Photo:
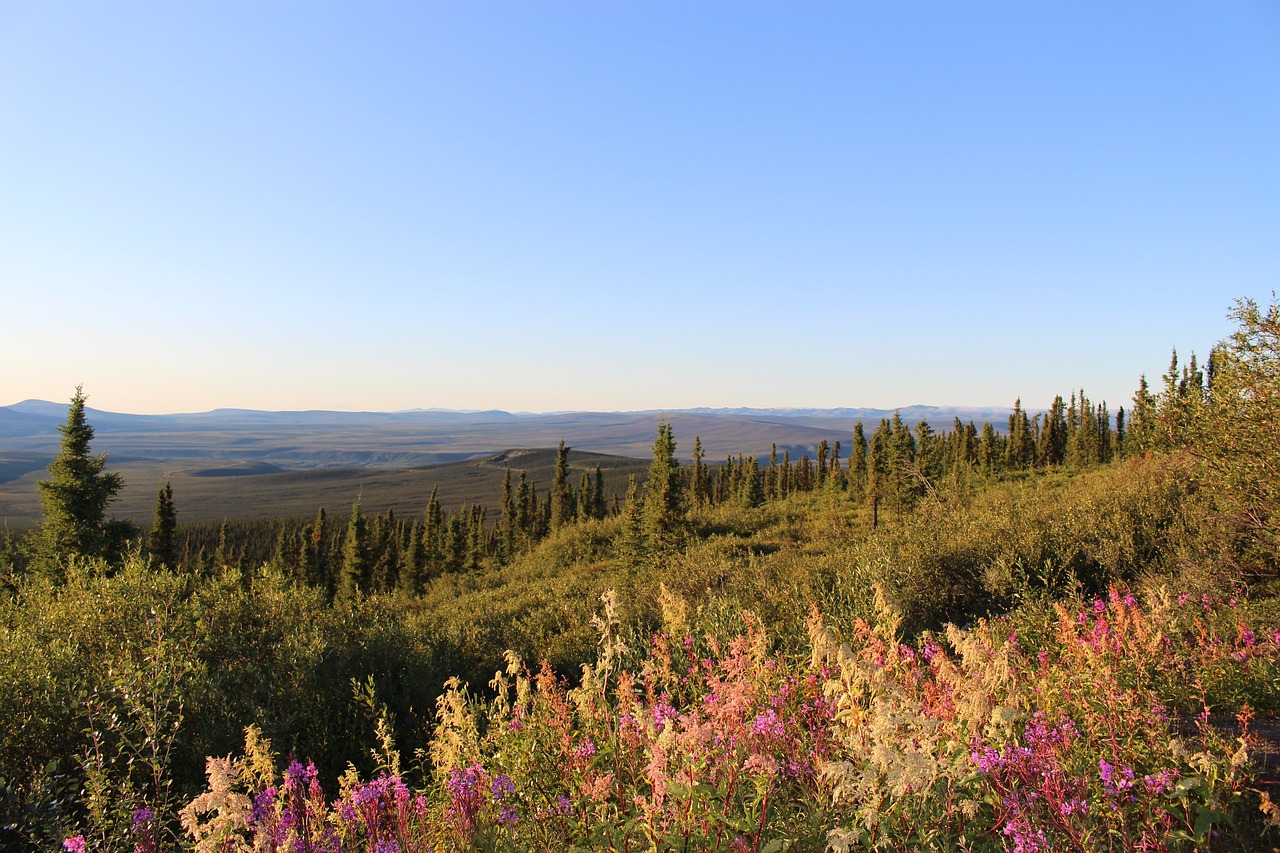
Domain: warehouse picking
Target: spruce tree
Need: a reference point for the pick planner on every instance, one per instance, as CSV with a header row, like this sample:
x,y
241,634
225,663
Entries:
x,y
162,541
858,463
507,523
599,508
698,482
356,563
751,489
74,500
631,542
561,497
664,512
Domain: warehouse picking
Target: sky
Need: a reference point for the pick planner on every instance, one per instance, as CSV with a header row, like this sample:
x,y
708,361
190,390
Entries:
x,y
624,205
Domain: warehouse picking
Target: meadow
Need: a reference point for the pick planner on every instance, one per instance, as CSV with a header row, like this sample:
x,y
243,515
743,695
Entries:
x,y
950,642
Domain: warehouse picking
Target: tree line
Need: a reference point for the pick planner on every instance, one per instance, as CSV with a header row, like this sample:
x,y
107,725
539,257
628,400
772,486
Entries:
x,y
892,468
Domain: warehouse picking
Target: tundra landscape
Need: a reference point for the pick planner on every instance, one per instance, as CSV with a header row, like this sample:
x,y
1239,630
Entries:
x,y
639,427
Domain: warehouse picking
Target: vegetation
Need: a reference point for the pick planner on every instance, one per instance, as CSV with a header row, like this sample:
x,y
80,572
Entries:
x,y
1057,635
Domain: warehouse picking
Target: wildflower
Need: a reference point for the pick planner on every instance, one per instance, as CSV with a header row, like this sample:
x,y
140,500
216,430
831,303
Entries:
x,y
768,725
1161,782
502,786
74,844
988,759
142,817
1071,807
509,816
664,711
586,749
1182,599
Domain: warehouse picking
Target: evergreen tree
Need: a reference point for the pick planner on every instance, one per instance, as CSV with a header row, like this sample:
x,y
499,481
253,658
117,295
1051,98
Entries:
x,y
699,482
356,562
1053,444
508,522
433,524
222,557
319,571
880,483
751,488
771,474
585,497
631,543
1142,428
74,500
561,498
1121,440
599,508
162,541
414,561
858,463
664,512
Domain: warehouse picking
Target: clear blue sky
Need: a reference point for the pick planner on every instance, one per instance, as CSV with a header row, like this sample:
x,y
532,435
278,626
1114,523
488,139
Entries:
x,y
625,205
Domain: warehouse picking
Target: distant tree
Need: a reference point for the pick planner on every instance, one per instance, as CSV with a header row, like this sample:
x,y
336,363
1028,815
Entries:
x,y
699,481
162,541
751,488
989,454
356,561
1142,433
415,560
598,508
630,542
222,553
880,469
858,463
1054,436
508,523
664,512
74,500
585,497
561,497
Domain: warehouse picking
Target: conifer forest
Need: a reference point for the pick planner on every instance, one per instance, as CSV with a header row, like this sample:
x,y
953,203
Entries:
x,y
1055,632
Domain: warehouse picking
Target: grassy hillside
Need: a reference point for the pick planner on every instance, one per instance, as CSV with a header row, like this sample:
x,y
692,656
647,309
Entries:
x,y
1059,639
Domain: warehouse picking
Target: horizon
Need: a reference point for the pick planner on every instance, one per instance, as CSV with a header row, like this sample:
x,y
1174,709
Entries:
x,y
515,412
627,207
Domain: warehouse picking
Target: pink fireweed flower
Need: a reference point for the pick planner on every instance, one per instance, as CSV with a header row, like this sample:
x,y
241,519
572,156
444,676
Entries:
x,y
585,750
664,711
74,844
768,725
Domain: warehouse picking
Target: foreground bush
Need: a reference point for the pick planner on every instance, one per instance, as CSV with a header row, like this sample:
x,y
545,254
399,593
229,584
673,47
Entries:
x,y
973,741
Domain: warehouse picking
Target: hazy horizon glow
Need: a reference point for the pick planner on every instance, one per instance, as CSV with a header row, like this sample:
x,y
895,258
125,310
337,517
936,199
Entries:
x,y
627,206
